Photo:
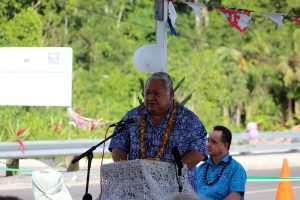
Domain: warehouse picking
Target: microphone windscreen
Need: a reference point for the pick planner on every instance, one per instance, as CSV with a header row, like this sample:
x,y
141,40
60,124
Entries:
x,y
130,120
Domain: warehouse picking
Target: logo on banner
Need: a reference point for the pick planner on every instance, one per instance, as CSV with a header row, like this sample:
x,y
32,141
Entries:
x,y
53,58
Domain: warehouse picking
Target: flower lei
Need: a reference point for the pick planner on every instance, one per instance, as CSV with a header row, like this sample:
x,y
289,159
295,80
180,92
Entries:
x,y
165,137
219,174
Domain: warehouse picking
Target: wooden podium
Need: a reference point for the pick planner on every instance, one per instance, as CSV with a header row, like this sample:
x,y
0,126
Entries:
x,y
142,180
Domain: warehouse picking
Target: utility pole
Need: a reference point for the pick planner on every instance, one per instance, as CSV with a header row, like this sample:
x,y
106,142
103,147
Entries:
x,y
161,17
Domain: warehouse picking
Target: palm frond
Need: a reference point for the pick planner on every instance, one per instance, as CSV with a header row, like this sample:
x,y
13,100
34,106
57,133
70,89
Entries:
x,y
142,85
178,84
186,99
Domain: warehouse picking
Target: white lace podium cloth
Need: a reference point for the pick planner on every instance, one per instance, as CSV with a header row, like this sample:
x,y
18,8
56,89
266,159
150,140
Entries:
x,y
142,180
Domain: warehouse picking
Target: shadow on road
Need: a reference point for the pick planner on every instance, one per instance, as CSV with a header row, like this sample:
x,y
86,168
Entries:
x,y
9,198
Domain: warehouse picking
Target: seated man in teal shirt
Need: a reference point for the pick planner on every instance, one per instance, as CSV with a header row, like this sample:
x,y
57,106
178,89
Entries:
x,y
221,176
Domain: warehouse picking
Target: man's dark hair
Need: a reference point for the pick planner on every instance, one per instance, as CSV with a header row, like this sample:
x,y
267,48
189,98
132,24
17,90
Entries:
x,y
226,134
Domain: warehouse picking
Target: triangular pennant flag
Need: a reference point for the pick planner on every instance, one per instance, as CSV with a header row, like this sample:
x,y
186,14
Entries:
x,y
172,13
238,18
297,19
275,17
196,7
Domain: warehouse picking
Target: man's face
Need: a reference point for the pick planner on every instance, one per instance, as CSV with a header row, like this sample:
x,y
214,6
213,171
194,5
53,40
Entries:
x,y
157,100
215,146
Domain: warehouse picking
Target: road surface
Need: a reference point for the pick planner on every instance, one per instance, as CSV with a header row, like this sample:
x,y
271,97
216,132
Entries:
x,y
254,190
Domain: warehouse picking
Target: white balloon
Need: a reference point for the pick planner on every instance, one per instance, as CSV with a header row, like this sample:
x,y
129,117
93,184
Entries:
x,y
137,60
150,58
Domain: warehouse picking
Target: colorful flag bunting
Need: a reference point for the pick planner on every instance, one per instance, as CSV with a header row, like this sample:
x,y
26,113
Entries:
x,y
238,18
275,17
172,29
172,13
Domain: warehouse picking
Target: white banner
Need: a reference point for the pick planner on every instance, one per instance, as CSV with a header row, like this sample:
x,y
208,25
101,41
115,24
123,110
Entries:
x,y
36,76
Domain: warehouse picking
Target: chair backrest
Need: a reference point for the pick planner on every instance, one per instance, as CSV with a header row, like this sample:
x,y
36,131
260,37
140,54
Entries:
x,y
49,185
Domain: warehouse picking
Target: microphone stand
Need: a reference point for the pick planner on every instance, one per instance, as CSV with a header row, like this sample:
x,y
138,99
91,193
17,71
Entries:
x,y
179,165
180,187
89,154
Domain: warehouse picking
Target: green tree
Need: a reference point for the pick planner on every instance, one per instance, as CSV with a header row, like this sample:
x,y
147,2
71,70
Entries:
x,y
23,30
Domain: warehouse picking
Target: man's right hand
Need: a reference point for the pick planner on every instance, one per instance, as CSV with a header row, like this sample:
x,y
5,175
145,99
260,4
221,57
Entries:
x,y
118,155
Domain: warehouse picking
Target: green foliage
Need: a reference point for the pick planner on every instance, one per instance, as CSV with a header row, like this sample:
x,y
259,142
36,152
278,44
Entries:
x,y
234,77
23,30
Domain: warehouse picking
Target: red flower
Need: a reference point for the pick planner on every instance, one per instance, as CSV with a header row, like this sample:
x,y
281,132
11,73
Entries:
x,y
21,131
297,19
22,144
259,126
58,127
93,126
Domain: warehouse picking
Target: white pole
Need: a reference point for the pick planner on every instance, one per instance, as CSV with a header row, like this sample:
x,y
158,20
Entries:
x,y
161,16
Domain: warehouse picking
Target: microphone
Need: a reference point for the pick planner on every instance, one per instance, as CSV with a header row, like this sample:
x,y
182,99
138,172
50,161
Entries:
x,y
177,157
179,164
127,121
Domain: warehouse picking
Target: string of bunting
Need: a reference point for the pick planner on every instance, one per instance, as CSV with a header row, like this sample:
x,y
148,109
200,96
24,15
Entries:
x,y
236,17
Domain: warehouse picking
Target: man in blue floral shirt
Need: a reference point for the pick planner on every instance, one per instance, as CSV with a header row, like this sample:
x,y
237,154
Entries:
x,y
164,124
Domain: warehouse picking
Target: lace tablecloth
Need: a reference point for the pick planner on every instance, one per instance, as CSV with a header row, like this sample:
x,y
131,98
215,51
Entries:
x,y
141,179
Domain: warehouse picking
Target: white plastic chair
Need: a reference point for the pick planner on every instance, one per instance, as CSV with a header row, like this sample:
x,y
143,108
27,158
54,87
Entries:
x,y
49,185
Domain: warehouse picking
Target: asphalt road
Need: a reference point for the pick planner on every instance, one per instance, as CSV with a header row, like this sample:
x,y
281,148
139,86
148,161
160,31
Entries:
x,y
254,190
267,190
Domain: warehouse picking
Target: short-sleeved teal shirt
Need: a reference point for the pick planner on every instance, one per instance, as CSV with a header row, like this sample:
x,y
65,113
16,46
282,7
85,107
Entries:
x,y
233,179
